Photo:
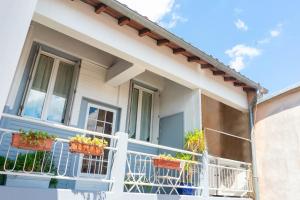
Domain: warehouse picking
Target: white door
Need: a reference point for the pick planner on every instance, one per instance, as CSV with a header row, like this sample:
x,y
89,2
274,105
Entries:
x,y
100,119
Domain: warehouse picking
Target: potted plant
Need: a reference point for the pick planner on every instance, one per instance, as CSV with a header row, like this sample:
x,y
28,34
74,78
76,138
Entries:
x,y
166,162
194,142
87,146
34,163
32,140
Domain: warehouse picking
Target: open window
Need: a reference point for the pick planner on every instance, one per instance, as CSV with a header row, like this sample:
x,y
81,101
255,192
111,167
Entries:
x,y
50,88
141,113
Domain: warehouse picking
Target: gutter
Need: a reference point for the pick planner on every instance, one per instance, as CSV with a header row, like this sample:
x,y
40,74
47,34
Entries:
x,y
179,41
252,106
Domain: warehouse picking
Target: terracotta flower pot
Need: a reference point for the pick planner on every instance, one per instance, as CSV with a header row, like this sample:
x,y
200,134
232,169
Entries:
x,y
18,141
166,164
86,149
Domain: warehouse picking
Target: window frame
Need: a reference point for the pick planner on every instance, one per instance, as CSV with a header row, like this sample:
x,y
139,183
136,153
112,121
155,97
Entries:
x,y
51,84
141,89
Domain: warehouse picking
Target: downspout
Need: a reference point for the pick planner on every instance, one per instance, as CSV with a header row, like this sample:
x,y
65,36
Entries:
x,y
252,106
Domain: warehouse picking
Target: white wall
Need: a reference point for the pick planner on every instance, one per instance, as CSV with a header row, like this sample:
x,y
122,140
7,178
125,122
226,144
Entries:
x,y
91,84
60,42
15,17
176,98
79,20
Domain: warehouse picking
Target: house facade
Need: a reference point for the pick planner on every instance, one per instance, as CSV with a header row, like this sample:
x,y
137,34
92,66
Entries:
x,y
99,69
277,141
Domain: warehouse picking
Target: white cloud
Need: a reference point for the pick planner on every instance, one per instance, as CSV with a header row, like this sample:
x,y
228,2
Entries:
x,y
155,10
175,18
239,53
272,34
239,24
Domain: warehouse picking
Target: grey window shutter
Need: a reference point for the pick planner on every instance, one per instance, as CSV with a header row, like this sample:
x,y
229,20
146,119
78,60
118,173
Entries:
x,y
37,52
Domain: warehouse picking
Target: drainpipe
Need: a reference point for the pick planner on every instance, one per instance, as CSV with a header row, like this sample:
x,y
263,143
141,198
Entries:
x,y
252,104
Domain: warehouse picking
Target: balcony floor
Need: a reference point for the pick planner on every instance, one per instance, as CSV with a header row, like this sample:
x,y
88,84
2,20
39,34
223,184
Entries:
x,y
14,193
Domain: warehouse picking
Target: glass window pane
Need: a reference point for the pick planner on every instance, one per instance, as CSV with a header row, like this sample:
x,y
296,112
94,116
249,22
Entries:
x,y
146,116
108,129
133,112
100,127
37,93
109,117
101,115
93,113
91,125
62,87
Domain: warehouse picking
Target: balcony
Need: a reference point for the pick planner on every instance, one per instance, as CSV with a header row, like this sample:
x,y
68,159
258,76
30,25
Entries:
x,y
127,168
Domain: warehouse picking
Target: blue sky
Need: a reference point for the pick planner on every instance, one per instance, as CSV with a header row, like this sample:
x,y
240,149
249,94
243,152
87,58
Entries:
x,y
258,38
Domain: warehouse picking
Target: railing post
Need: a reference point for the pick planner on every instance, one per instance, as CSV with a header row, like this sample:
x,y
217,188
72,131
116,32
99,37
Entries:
x,y
205,175
119,164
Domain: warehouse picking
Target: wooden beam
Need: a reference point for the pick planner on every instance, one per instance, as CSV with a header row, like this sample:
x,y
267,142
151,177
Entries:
x,y
196,59
218,73
207,66
229,79
178,50
123,21
100,8
144,32
162,42
239,84
193,59
249,89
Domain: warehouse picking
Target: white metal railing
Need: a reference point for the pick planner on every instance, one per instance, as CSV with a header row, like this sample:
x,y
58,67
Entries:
x,y
58,163
229,177
142,176
206,174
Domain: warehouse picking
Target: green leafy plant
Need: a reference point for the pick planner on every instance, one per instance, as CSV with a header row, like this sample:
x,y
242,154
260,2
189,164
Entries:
x,y
35,162
88,140
195,142
33,137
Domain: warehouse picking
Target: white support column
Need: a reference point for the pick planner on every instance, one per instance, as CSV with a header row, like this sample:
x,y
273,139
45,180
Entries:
x,y
119,165
15,18
205,162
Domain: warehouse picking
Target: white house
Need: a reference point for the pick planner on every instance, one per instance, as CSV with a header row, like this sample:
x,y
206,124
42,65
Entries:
x,y
99,69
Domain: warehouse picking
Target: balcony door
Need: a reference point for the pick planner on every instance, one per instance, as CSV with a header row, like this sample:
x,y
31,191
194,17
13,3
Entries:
x,y
99,119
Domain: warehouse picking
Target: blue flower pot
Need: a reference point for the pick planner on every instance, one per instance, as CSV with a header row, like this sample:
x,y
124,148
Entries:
x,y
185,191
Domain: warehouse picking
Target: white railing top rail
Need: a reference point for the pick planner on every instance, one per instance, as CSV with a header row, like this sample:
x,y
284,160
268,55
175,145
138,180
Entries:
x,y
229,160
148,144
227,134
153,155
59,126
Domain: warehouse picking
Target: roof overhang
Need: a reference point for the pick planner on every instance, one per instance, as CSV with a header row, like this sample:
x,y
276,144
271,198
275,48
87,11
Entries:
x,y
145,27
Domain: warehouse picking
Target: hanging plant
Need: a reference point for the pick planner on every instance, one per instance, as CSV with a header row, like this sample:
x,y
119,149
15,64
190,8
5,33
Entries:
x,y
166,162
87,146
32,140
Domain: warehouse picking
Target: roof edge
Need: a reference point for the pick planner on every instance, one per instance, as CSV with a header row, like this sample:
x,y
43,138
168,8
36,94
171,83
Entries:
x,y
122,8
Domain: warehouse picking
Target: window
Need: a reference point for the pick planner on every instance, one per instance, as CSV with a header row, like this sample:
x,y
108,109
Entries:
x,y
140,118
99,119
49,88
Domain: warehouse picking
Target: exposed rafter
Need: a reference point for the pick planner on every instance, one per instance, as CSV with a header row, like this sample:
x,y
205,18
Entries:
x,y
196,59
218,73
144,32
239,84
162,42
229,79
123,21
100,8
178,50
